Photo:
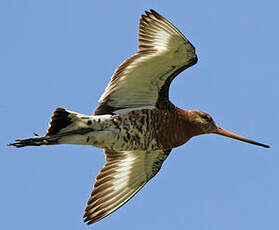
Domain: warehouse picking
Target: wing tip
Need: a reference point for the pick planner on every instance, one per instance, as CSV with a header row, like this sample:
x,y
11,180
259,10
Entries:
x,y
91,219
156,14
150,13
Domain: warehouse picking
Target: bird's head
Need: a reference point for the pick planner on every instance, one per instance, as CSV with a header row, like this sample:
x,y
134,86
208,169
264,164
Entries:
x,y
204,123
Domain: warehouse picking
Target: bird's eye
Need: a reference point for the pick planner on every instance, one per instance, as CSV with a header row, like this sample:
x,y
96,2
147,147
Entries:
x,y
205,117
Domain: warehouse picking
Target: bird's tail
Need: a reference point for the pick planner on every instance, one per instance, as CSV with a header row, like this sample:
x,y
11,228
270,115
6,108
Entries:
x,y
63,124
60,120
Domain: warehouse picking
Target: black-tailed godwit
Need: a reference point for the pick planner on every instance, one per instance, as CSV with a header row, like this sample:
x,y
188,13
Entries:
x,y
135,123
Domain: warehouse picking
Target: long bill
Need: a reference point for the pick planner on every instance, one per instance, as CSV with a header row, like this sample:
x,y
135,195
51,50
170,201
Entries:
x,y
227,133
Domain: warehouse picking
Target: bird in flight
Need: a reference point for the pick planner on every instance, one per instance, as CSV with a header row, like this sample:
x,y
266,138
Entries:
x,y
135,123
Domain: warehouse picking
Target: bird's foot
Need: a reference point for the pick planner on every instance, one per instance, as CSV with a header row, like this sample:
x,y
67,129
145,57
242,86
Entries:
x,y
48,140
34,141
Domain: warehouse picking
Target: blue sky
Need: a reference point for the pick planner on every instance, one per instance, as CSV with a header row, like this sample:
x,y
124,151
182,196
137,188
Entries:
x,y
62,54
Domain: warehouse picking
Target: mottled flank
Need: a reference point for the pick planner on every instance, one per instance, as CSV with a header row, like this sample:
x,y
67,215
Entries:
x,y
59,120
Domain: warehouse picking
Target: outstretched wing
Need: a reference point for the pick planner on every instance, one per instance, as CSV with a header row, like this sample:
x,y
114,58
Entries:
x,y
124,174
143,80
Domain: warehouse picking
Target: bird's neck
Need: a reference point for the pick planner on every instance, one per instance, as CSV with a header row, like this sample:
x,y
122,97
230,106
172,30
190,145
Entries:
x,y
178,128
